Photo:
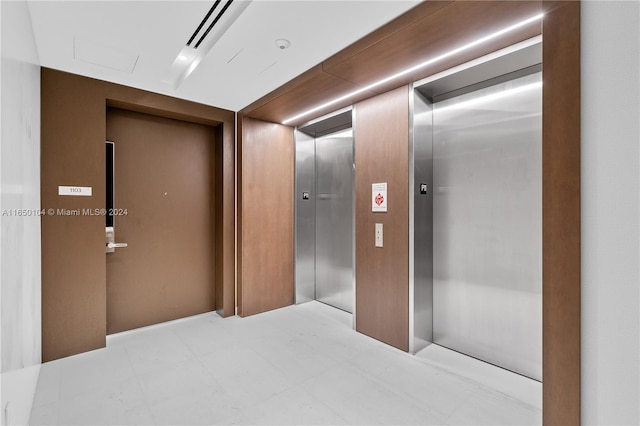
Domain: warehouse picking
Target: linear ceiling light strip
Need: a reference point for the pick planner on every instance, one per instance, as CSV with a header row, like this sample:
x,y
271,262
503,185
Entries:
x,y
224,9
195,33
418,66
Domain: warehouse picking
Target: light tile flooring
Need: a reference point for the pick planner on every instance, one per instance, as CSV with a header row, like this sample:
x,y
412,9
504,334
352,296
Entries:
x,y
297,365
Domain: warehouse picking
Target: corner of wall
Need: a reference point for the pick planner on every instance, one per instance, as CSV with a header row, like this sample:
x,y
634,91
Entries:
x,y
20,265
20,197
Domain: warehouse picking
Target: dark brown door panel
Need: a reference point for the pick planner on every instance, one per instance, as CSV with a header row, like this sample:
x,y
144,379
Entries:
x,y
164,188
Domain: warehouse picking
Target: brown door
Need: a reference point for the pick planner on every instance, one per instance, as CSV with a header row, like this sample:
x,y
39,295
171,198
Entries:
x,y
164,200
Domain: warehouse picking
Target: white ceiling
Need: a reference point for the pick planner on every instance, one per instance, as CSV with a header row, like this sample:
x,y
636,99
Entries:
x,y
154,32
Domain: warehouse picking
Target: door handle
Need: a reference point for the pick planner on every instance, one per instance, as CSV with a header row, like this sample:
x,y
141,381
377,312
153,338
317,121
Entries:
x,y
116,245
111,245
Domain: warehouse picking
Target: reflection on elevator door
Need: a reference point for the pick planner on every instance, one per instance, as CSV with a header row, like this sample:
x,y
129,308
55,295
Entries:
x,y
324,205
487,224
334,220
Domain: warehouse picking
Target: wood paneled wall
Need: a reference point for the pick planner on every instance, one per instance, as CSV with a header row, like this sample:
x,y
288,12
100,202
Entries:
x,y
74,271
265,216
381,127
561,213
424,32
73,131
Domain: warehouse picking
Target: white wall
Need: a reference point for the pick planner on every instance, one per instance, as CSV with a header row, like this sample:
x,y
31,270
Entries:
x,y
20,286
610,212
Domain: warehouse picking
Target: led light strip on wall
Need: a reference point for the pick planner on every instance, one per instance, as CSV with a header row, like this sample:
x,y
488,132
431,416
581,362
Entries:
x,y
419,66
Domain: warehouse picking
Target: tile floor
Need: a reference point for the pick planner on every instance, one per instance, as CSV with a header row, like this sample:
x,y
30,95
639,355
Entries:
x,y
297,365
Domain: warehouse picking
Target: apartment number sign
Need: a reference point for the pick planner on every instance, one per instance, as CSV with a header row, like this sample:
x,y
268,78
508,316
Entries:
x,y
78,191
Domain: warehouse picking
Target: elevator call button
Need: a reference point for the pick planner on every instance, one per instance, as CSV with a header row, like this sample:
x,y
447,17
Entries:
x,y
305,195
423,188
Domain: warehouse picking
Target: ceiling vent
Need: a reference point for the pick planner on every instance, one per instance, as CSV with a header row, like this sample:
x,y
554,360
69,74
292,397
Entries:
x,y
215,23
215,20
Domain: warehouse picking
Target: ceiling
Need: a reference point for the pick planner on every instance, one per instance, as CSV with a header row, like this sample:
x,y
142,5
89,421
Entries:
x,y
136,42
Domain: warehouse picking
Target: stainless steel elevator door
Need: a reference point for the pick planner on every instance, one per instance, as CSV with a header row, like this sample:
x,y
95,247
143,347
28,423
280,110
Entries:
x,y
487,224
334,220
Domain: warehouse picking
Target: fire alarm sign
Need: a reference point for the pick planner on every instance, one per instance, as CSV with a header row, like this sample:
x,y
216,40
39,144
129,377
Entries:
x,y
379,197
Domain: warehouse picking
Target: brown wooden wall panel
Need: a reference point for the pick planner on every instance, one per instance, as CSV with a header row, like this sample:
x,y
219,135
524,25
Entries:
x,y
303,79
561,214
422,33
228,220
381,127
239,248
73,257
217,180
397,25
432,36
72,153
265,210
317,90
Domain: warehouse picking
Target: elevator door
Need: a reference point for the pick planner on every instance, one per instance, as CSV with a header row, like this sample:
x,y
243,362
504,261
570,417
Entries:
x,y
334,273
487,224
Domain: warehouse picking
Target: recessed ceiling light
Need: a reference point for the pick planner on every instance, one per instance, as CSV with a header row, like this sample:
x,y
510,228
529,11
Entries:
x,y
418,66
282,43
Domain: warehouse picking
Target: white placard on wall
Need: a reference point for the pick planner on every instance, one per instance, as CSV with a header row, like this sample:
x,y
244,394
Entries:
x,y
78,191
379,197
